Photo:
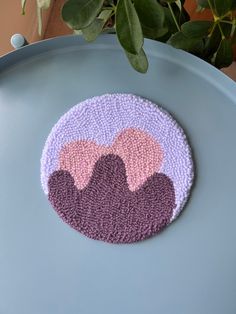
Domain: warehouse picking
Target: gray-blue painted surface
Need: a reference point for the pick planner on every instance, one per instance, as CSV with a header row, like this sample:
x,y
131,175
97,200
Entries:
x,y
47,267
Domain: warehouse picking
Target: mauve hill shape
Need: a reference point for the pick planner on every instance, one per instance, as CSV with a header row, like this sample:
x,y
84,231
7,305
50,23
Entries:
x,y
106,209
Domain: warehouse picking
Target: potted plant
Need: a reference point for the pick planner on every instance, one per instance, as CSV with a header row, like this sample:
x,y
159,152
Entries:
x,y
211,39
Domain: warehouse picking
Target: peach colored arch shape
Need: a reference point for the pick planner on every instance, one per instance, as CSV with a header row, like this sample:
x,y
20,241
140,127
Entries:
x,y
140,152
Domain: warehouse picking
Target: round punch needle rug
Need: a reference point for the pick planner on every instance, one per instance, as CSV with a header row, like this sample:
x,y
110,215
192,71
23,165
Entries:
x,y
117,168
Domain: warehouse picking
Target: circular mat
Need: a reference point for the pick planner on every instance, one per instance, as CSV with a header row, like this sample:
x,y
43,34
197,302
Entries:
x,y
117,168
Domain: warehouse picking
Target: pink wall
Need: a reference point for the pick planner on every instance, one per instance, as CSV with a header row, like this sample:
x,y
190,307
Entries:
x,y
56,26
13,22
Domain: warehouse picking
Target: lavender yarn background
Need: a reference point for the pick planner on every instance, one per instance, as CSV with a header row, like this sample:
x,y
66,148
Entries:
x,y
101,118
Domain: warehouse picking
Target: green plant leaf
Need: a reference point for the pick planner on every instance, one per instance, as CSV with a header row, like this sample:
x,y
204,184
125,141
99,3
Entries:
x,y
152,17
154,33
224,54
128,27
179,4
222,6
23,4
234,38
78,32
233,5
180,41
108,2
198,49
169,22
138,61
226,28
196,29
181,16
169,1
150,12
199,9
43,4
105,15
212,43
91,32
78,14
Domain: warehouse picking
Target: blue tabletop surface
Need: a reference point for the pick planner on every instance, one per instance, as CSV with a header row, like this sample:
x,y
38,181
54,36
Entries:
x,y
48,268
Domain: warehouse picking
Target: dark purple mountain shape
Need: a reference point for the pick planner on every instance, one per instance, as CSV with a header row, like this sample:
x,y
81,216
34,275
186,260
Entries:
x,y
106,209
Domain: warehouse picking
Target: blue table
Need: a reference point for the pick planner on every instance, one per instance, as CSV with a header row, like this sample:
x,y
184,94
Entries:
x,y
47,267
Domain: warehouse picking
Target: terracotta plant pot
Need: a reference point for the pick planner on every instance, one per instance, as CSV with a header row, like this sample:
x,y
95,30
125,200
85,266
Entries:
x,y
191,6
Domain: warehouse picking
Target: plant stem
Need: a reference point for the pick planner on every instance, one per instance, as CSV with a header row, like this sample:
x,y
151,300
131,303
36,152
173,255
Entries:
x,y
227,14
174,18
211,7
217,20
212,31
233,30
221,31
227,22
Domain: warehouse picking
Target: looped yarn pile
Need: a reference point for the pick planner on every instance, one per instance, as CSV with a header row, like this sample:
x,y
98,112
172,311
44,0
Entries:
x,y
117,168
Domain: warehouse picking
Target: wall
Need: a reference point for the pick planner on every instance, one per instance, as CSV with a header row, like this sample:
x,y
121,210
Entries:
x,y
12,21
56,26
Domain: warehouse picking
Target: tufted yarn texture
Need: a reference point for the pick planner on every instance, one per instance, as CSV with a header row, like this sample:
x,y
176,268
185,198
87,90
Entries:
x,y
106,209
142,158
117,168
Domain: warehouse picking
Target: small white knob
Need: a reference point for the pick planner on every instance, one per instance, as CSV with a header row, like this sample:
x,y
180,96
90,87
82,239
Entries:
x,y
18,41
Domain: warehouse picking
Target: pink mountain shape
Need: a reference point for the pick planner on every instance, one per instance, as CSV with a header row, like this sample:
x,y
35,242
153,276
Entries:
x,y
140,152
